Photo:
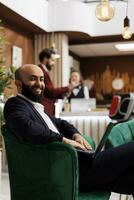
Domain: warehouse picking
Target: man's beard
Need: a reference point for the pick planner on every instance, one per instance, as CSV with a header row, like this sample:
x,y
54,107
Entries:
x,y
49,67
28,92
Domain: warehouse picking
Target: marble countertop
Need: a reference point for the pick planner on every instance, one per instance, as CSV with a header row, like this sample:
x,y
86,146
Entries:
x,y
95,112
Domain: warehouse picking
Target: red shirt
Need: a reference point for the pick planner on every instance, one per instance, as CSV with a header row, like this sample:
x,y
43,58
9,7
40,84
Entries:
x,y
51,93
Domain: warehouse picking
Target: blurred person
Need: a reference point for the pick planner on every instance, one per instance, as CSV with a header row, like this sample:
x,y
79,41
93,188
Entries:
x,y
51,94
91,87
79,90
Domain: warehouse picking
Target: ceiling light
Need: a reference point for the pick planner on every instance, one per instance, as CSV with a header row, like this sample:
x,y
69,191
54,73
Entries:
x,y
127,34
125,47
104,11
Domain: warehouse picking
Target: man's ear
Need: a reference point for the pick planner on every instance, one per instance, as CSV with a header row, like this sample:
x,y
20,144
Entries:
x,y
18,83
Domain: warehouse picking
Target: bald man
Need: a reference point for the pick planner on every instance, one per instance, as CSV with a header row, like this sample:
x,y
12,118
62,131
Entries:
x,y
29,80
111,170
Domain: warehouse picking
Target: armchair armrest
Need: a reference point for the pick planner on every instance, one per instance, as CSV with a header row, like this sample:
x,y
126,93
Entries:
x,y
35,170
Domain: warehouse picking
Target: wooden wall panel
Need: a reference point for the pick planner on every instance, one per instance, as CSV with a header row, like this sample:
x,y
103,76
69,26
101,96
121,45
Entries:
x,y
103,70
23,40
98,64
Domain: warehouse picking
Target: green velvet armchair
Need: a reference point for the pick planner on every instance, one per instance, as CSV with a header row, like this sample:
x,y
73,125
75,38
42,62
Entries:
x,y
120,134
45,172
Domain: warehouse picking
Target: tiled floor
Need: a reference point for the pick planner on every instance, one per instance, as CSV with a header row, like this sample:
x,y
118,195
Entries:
x,y
4,187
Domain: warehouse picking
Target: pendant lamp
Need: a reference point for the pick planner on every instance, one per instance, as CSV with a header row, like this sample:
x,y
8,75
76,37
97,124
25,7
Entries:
x,y
127,34
104,11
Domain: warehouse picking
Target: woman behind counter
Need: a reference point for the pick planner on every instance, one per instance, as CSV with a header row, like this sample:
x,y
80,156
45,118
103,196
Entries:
x,y
79,90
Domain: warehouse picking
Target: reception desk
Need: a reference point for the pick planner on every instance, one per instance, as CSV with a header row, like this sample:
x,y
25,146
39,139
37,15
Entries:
x,y
91,123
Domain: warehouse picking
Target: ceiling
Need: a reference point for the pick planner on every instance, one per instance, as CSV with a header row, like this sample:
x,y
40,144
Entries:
x,y
80,44
83,45
98,49
87,1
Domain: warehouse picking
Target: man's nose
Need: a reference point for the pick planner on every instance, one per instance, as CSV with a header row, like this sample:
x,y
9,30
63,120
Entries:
x,y
38,82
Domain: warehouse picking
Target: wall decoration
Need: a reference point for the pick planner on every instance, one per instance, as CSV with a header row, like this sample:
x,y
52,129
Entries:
x,y
118,84
16,56
110,82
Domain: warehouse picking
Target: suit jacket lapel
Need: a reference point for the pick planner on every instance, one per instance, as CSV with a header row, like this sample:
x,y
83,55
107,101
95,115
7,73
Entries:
x,y
34,110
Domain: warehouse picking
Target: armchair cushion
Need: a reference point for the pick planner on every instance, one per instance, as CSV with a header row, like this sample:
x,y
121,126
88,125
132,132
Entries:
x,y
100,195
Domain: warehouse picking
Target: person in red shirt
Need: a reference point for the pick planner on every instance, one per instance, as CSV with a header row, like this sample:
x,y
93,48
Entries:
x,y
47,61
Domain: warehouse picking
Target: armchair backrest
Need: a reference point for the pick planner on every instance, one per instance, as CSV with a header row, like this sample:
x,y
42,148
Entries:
x,y
120,134
37,171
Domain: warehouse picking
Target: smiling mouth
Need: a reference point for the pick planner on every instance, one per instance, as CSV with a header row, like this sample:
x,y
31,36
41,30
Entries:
x,y
37,90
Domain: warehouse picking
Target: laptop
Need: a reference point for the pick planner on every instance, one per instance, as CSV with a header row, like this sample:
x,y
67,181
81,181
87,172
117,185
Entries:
x,y
94,153
82,105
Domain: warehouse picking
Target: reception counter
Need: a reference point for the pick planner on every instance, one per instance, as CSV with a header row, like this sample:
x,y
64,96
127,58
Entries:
x,y
92,123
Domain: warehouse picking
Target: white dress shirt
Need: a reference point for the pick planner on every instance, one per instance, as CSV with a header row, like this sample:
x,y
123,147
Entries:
x,y
44,67
40,109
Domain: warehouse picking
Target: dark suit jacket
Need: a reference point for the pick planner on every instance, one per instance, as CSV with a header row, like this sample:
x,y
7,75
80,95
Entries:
x,y
26,124
23,121
51,93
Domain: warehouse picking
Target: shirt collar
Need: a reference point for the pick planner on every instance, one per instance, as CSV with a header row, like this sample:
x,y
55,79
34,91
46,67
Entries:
x,y
44,67
34,103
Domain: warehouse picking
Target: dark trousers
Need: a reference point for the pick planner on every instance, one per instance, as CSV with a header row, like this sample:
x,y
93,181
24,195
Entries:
x,y
111,170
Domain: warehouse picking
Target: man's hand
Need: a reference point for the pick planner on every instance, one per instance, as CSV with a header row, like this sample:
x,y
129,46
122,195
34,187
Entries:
x,y
73,143
78,138
78,141
71,87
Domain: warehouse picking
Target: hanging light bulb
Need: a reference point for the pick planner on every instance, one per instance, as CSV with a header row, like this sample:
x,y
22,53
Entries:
x,y
127,34
104,11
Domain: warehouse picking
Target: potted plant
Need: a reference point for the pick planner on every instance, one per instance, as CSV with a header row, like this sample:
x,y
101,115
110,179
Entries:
x,y
6,74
